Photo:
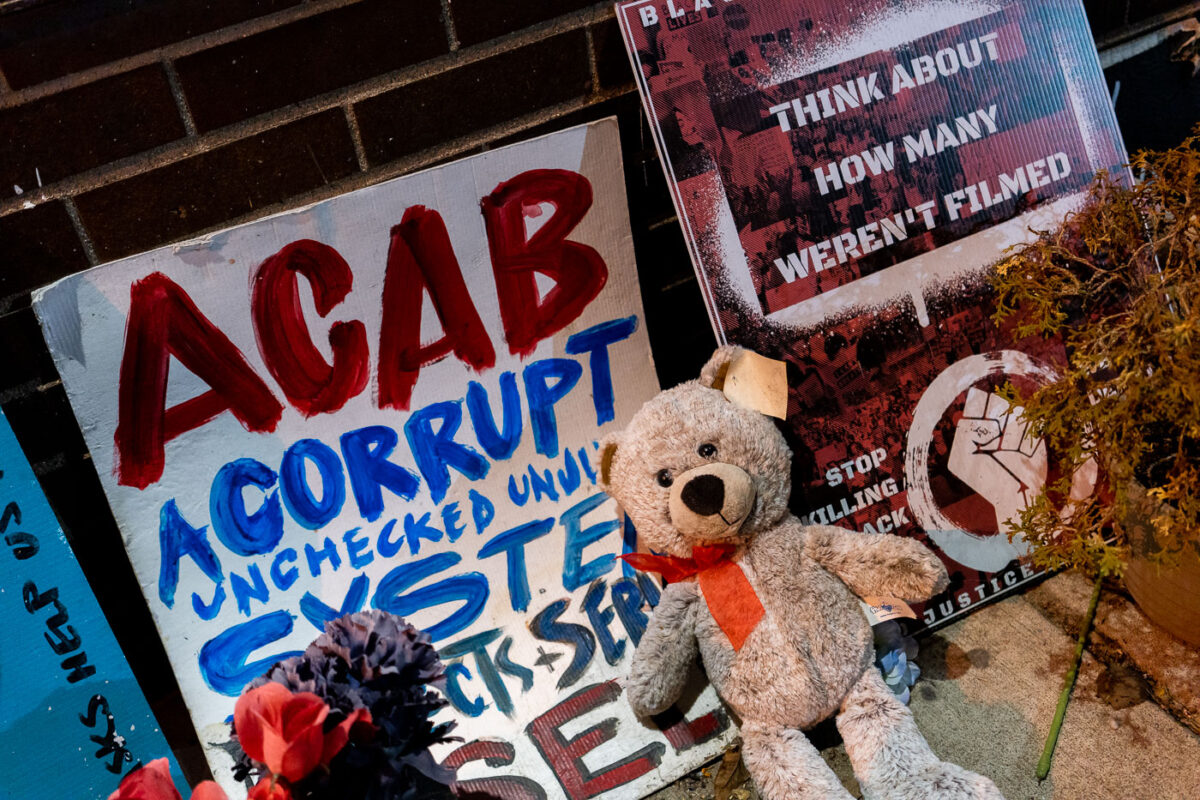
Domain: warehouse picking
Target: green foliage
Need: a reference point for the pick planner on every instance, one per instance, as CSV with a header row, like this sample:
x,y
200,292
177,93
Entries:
x,y
1118,281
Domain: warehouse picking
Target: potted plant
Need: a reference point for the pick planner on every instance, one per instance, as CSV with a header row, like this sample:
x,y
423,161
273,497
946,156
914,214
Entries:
x,y
1119,281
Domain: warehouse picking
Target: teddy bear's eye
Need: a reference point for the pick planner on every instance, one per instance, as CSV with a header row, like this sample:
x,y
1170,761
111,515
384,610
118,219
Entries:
x,y
664,478
707,450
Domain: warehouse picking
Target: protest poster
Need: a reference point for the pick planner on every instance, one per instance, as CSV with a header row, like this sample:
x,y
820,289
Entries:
x,y
73,720
846,172
392,399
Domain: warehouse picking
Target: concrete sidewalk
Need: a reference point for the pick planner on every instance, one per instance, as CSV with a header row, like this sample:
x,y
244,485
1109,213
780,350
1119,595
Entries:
x,y
986,695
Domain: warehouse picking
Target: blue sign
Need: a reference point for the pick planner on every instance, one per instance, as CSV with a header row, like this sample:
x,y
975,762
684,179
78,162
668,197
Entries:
x,y
73,721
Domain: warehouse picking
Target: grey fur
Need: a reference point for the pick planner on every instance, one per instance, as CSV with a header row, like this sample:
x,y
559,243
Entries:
x,y
890,757
669,644
810,656
785,764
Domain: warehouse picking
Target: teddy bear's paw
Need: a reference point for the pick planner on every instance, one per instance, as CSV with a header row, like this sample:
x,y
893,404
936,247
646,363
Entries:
x,y
649,693
940,781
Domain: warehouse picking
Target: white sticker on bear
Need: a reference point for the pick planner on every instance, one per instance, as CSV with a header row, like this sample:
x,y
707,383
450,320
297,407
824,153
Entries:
x,y
758,383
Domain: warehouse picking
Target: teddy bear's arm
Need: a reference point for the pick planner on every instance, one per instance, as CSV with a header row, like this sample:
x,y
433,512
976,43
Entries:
x,y
666,652
877,564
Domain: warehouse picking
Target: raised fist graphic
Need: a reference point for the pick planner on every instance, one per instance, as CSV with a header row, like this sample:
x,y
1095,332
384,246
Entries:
x,y
993,454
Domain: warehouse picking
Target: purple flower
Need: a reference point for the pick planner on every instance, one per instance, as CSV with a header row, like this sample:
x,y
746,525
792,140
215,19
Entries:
x,y
375,643
375,661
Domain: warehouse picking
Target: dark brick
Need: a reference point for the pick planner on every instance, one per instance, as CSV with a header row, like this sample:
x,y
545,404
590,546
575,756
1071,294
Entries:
x,y
612,60
26,359
665,248
307,58
467,99
681,335
1159,101
45,425
168,203
1145,9
94,124
626,108
479,20
77,497
55,39
37,246
645,186
649,194
1106,16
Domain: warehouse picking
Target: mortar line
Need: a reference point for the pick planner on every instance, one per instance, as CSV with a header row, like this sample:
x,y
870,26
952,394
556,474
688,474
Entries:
x,y
185,111
47,465
174,50
23,389
591,56
178,150
448,24
208,41
425,159
414,162
1145,26
675,284
89,249
360,151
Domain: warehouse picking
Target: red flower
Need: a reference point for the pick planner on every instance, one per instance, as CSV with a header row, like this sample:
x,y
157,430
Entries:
x,y
281,729
209,791
284,730
151,782
269,788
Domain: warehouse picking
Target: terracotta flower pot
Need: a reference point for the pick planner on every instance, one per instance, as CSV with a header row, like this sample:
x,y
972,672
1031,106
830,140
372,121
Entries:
x,y
1168,595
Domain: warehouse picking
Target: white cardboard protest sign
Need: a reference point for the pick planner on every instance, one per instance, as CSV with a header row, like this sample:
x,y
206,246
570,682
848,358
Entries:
x,y
392,399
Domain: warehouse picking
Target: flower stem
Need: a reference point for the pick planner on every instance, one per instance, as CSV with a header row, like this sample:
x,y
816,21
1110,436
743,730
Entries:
x,y
1043,767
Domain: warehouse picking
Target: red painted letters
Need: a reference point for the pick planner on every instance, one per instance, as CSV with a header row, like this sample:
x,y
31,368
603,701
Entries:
x,y
164,322
578,271
311,385
422,259
684,733
494,787
565,756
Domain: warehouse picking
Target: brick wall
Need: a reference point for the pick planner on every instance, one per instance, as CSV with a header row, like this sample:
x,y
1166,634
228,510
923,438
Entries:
x,y
127,125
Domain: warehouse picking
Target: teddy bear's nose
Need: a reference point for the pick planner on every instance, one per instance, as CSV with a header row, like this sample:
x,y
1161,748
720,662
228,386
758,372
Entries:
x,y
704,494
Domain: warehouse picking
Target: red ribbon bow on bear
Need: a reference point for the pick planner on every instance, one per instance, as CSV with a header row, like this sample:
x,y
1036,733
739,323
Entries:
x,y
730,596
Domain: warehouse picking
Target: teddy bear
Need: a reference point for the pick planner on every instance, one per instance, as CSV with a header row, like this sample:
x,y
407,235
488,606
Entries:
x,y
770,604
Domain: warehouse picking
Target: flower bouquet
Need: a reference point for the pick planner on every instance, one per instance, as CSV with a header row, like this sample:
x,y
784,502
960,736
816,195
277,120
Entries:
x,y
347,719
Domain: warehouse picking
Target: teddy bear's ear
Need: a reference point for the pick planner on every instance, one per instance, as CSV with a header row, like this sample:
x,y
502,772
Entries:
x,y
608,449
713,373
